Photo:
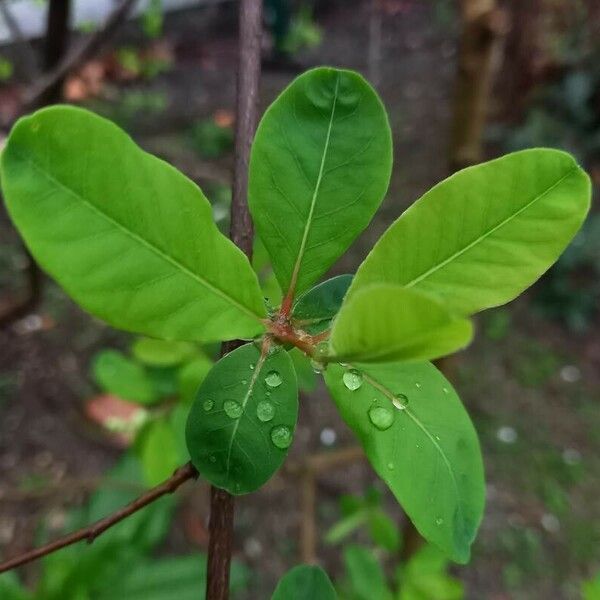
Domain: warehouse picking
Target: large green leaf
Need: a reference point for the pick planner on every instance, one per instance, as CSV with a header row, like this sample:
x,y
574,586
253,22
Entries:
x,y
420,441
305,582
482,236
123,377
320,166
315,309
128,236
388,322
242,422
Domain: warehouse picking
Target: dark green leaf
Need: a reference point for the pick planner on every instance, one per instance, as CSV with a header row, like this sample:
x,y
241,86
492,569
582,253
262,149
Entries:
x,y
305,582
420,441
315,309
242,422
128,236
320,166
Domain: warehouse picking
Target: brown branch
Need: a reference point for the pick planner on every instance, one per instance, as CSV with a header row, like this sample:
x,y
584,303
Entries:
x,y
241,233
87,50
90,533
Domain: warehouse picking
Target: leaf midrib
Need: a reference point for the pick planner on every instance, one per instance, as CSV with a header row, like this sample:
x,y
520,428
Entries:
x,y
307,226
390,395
491,231
134,236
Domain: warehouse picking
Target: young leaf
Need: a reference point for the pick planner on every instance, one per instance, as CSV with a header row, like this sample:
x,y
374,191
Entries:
x,y
482,236
320,166
305,582
365,575
158,451
128,236
118,375
420,441
390,323
315,309
241,425
161,353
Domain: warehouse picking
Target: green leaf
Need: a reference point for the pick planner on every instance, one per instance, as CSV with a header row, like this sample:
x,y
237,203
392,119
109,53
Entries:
x,y
191,375
365,575
128,236
307,378
305,582
161,353
11,588
315,309
388,322
158,451
420,441
242,422
346,526
482,236
319,169
118,375
384,531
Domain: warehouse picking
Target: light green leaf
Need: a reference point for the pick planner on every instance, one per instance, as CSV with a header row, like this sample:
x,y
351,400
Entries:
x,y
346,526
482,236
305,582
191,375
307,378
320,166
128,236
388,322
315,309
420,441
384,531
242,422
365,575
118,375
158,451
161,353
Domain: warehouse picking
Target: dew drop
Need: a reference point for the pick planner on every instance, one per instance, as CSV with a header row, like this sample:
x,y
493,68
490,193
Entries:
x,y
446,390
251,367
317,367
281,436
233,409
381,417
439,521
400,401
265,411
244,382
418,385
352,379
208,405
390,466
212,458
273,379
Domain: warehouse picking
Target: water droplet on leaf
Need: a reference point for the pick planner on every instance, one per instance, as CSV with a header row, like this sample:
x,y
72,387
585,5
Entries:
x,y
212,458
381,417
418,385
208,405
273,379
439,521
390,466
233,409
281,436
265,411
352,379
400,401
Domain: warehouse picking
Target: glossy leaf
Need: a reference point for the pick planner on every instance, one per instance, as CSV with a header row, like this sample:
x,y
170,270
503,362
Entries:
x,y
388,322
305,582
242,422
123,377
307,378
315,309
482,236
158,451
319,169
128,236
420,441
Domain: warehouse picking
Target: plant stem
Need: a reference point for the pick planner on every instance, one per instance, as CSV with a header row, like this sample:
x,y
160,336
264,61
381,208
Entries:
x,y
241,233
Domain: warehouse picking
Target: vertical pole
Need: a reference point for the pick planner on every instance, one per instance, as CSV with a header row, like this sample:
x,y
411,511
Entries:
x,y
241,232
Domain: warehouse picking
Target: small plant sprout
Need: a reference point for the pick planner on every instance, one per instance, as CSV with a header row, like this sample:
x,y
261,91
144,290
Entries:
x,y
133,241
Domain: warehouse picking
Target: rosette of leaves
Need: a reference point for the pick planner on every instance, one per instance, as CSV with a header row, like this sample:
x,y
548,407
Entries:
x,y
133,241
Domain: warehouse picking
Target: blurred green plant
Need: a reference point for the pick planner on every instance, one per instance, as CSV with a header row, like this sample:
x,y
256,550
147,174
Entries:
x,y
211,140
423,577
6,69
121,563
